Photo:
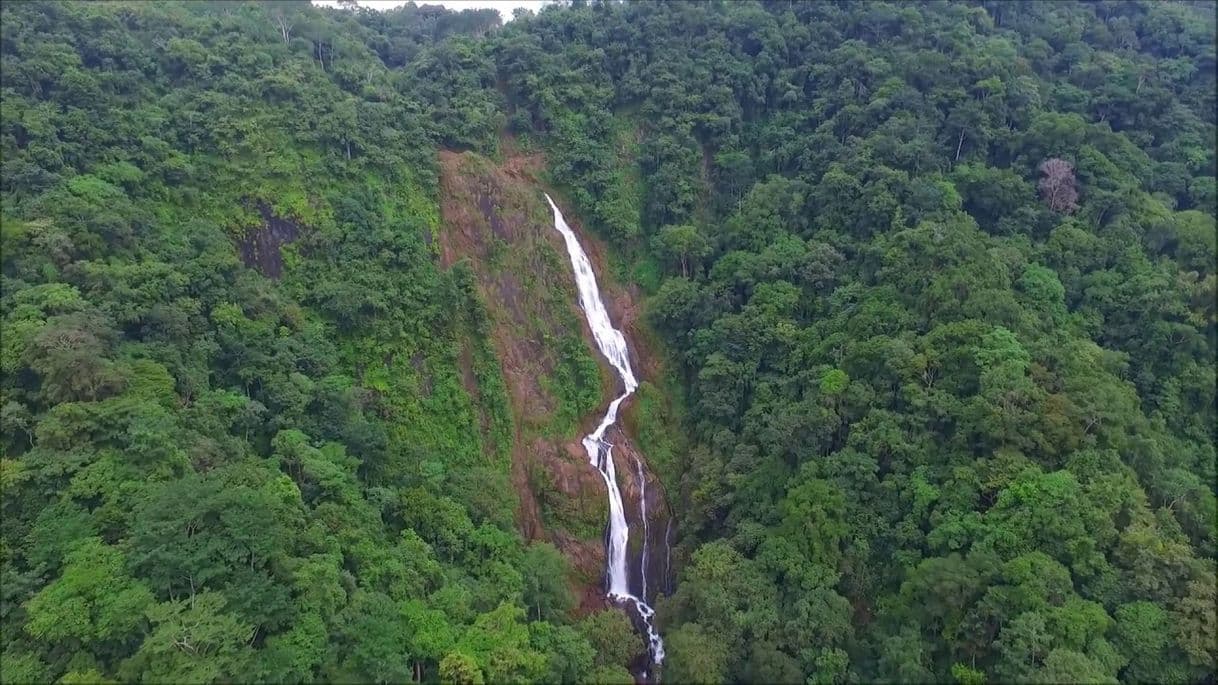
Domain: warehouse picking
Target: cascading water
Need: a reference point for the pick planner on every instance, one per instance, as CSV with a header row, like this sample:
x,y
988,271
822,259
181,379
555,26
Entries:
x,y
612,344
638,469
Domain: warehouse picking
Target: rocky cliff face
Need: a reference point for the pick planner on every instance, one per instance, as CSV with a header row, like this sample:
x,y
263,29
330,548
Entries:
x,y
259,246
496,223
636,484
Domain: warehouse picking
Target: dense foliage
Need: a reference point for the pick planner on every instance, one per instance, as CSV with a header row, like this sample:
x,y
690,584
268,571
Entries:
x,y
938,280
941,284
270,470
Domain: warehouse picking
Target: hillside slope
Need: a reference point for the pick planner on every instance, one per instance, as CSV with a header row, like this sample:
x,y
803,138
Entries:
x,y
495,223
939,281
925,290
252,429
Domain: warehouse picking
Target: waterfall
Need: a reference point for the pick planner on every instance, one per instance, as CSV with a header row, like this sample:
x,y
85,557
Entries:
x,y
612,344
638,470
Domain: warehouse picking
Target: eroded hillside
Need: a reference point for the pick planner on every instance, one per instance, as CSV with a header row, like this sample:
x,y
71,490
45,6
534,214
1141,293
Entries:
x,y
495,224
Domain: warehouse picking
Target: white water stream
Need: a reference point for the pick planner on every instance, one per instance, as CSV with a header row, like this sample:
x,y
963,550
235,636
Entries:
x,y
638,470
612,344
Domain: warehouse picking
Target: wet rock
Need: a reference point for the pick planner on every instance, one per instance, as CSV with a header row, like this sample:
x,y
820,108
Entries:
x,y
260,246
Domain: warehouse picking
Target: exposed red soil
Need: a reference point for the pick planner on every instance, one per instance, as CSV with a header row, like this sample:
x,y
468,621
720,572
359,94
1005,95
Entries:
x,y
621,300
484,203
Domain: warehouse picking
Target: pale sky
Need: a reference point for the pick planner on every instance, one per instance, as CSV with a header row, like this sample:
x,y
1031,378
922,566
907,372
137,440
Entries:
x,y
505,7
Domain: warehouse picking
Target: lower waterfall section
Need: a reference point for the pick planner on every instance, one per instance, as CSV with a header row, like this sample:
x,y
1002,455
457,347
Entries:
x,y
612,344
638,467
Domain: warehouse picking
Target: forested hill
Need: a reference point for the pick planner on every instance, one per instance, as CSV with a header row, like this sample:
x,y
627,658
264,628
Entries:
x,y
936,281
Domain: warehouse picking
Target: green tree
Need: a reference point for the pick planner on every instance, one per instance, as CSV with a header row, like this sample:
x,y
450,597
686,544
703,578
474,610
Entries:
x,y
613,639
192,641
460,669
546,592
94,600
694,656
682,244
